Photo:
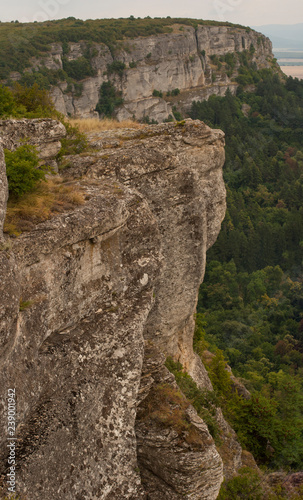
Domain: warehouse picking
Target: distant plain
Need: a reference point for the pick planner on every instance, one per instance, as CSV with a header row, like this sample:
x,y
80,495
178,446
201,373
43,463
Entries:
x,y
294,71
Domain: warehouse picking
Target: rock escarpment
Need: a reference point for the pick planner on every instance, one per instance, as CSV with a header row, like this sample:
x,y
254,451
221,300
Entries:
x,y
44,134
180,60
93,301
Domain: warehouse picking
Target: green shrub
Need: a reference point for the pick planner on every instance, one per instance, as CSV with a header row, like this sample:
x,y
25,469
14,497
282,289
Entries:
x,y
73,143
109,99
78,89
246,485
8,105
157,93
178,116
146,119
78,69
116,67
204,402
22,170
35,100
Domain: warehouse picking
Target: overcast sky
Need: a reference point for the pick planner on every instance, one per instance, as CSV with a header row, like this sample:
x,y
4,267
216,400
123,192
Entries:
x,y
246,12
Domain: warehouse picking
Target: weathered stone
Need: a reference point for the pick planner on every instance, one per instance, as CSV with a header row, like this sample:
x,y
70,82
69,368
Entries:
x,y
153,108
76,352
176,466
98,287
174,462
45,134
164,62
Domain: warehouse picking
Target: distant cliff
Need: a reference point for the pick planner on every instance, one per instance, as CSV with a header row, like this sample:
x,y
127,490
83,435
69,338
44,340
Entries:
x,y
180,60
154,75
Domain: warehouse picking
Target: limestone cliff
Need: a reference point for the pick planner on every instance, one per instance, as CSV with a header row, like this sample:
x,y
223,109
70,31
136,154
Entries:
x,y
110,290
181,59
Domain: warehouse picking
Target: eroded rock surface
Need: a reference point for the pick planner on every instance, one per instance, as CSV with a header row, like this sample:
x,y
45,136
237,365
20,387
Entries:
x,y
45,134
86,294
164,62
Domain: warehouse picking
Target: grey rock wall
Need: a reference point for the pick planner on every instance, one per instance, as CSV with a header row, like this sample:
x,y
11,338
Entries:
x,y
45,134
163,62
110,290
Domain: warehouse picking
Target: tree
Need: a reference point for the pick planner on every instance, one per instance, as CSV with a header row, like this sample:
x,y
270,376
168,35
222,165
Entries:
x,y
109,99
22,170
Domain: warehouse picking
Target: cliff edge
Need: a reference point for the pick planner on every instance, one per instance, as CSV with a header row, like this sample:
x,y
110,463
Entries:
x,y
111,290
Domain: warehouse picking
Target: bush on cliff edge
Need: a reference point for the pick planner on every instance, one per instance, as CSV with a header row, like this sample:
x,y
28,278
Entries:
x,y
22,170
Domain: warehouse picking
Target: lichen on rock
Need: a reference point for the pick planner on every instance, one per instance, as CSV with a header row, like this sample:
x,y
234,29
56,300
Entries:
x,y
111,289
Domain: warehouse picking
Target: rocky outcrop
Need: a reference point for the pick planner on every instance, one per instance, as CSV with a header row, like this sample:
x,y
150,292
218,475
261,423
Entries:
x,y
171,439
45,134
94,299
181,59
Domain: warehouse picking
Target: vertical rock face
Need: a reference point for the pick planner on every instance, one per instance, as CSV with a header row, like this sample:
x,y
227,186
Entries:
x,y
93,302
45,134
178,60
178,169
74,354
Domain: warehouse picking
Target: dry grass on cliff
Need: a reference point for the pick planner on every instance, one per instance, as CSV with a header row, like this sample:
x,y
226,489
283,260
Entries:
x,y
95,125
49,199
166,406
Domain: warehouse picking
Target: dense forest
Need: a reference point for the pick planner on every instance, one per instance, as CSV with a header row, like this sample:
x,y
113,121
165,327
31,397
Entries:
x,y
250,310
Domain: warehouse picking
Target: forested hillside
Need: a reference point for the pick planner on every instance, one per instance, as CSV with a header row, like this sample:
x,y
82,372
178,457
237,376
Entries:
x,y
251,302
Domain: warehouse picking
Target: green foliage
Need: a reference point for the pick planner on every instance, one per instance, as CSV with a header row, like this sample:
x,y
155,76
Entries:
x,y
175,92
157,93
270,423
109,99
23,101
252,295
116,67
25,304
246,484
219,376
133,64
43,77
263,170
146,119
78,69
73,143
178,116
205,402
22,170
78,89
169,119
8,105
36,101
200,343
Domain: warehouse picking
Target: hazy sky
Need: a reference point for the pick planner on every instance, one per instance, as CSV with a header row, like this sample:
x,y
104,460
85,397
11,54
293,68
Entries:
x,y
247,12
